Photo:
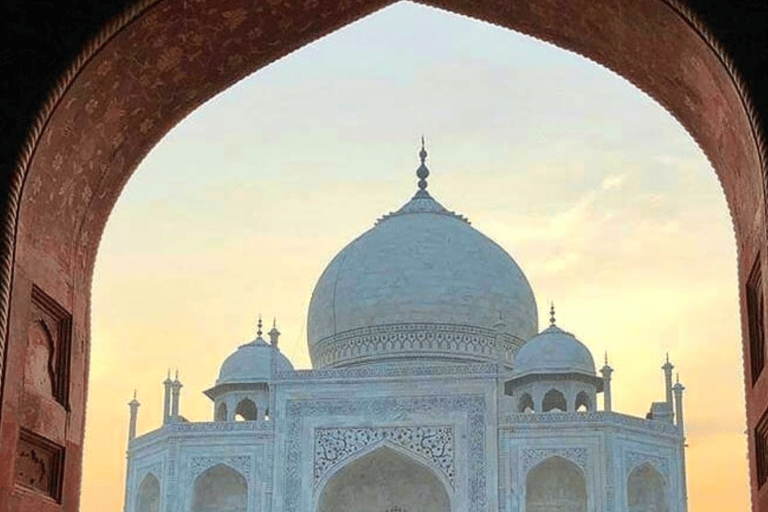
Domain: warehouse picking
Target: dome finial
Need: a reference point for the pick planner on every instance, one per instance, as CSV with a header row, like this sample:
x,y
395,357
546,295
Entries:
x,y
258,333
552,313
422,172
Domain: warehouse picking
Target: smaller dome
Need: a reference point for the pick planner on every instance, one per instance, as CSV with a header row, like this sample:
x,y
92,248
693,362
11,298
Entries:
x,y
252,362
553,351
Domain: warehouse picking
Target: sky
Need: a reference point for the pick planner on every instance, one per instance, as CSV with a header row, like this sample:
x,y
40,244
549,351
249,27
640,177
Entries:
x,y
603,199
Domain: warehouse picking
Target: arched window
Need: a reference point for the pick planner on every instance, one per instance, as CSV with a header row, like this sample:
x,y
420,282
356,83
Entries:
x,y
246,410
384,480
221,412
583,403
148,495
525,404
554,400
645,490
220,489
555,484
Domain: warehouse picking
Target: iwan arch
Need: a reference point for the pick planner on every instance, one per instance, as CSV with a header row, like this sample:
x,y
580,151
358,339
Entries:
x,y
122,96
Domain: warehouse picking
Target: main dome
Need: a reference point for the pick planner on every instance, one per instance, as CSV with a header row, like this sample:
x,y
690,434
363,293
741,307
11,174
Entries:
x,y
421,285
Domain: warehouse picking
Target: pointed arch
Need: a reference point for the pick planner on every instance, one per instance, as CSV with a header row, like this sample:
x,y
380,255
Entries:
x,y
646,490
220,488
384,479
555,484
525,404
246,409
148,494
583,402
554,400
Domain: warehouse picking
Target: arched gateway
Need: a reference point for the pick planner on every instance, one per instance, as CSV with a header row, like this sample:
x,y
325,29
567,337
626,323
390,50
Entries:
x,y
382,481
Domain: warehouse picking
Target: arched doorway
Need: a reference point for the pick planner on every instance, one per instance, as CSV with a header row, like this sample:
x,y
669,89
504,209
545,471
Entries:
x,y
384,480
555,484
115,104
646,490
220,489
148,495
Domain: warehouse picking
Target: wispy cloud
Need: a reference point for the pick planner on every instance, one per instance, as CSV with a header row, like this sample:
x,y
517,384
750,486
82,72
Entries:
x,y
613,181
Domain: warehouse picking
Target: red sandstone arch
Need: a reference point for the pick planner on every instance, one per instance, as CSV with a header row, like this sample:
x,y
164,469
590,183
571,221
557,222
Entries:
x,y
163,58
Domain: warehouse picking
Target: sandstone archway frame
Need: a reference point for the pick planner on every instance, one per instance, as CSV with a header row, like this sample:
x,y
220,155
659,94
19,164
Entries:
x,y
162,58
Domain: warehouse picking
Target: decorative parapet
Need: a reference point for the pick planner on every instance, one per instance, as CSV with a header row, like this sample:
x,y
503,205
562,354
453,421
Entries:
x,y
393,371
194,429
600,418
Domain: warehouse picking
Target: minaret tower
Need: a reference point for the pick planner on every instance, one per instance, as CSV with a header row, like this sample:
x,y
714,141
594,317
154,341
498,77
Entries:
x,y
134,406
175,402
274,334
678,390
668,367
168,383
606,371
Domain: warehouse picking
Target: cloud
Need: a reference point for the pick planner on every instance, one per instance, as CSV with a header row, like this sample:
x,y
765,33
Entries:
x,y
613,181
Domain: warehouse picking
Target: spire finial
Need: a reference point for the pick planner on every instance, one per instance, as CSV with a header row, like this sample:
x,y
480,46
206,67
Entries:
x,y
258,333
422,172
677,378
274,322
177,374
606,358
134,394
552,313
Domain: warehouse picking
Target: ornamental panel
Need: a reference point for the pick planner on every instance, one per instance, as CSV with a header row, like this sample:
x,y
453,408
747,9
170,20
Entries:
x,y
335,445
532,456
473,406
199,465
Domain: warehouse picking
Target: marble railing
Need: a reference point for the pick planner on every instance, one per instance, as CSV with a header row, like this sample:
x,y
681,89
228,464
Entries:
x,y
202,427
523,420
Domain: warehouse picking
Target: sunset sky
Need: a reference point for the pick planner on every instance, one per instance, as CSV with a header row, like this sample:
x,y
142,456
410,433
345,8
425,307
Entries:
x,y
603,199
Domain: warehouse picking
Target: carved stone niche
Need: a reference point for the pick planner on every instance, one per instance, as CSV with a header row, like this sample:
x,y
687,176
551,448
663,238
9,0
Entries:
x,y
49,343
39,465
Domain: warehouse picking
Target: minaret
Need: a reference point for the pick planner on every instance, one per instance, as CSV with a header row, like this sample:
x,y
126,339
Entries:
x,y
678,389
175,402
606,371
134,405
668,367
167,398
274,334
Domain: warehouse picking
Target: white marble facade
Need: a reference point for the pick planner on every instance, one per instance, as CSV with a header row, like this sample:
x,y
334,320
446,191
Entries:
x,y
431,392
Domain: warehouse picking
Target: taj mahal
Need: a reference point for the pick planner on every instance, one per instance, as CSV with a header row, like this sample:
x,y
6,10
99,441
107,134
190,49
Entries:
x,y
432,390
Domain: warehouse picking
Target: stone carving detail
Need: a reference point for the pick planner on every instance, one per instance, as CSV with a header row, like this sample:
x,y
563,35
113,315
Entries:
x,y
241,464
39,464
533,456
49,340
635,459
394,370
222,426
522,420
471,405
334,445
401,339
156,469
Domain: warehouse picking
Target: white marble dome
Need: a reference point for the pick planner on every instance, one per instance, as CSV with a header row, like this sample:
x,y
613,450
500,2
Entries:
x,y
554,351
251,363
421,284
